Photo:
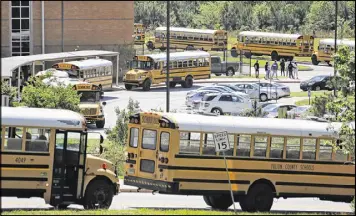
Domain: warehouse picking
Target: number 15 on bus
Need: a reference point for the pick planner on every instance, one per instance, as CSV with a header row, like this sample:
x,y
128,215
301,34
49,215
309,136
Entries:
x,y
221,141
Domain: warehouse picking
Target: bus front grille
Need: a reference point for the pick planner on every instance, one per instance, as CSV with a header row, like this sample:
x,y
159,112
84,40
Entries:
x,y
130,76
89,111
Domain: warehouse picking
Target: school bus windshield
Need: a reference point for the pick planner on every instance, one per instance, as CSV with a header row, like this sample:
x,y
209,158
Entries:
x,y
89,96
141,65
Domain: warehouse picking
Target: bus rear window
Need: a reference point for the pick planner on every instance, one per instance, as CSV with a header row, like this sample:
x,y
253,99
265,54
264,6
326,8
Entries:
x,y
149,139
134,137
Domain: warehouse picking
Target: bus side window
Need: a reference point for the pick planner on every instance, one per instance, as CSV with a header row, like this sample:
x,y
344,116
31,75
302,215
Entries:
x,y
293,148
180,64
325,151
13,139
189,143
208,145
243,145
134,137
175,64
206,62
231,138
260,146
185,64
309,149
190,63
277,146
339,153
37,139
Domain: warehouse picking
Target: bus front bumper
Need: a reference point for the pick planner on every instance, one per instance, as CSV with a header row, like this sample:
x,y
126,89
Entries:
x,y
94,118
134,83
151,184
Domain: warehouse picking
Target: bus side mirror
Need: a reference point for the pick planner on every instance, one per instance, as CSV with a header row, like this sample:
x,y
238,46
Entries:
x,y
101,139
101,149
104,103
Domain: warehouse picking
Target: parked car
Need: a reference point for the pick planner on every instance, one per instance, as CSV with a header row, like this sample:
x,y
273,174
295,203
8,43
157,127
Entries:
x,y
282,90
317,83
299,110
263,105
257,92
219,67
197,96
232,87
272,109
221,103
214,88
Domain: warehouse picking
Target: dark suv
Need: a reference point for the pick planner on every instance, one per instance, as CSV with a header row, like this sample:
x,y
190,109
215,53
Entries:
x,y
317,83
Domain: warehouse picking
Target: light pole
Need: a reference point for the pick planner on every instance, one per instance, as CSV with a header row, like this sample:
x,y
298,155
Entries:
x,y
167,60
335,48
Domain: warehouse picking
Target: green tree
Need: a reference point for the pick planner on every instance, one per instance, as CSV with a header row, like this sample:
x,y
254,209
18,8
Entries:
x,y
6,89
39,94
255,111
321,16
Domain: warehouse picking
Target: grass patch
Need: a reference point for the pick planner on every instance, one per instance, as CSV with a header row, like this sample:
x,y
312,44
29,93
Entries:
x,y
305,93
142,212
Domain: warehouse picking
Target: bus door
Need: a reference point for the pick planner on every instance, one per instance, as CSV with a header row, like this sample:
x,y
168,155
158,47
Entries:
x,y
148,151
68,167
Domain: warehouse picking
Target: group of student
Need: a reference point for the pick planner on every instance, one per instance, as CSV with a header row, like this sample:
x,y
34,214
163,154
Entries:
x,y
272,71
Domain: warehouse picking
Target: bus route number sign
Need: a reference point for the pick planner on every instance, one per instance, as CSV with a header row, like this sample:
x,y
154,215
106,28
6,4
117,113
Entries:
x,y
221,141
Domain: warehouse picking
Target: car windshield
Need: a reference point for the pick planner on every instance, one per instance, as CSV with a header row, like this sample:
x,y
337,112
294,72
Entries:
x,y
141,65
89,96
270,107
227,89
317,78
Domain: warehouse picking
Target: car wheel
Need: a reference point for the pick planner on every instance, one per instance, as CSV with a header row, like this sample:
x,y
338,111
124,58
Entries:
x,y
263,97
217,111
217,74
230,72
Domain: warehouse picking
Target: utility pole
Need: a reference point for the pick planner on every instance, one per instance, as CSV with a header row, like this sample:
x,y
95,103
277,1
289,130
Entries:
x,y
62,25
335,48
167,60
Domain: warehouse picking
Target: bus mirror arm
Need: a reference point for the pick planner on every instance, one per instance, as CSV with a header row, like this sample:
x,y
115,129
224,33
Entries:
x,y
101,139
101,149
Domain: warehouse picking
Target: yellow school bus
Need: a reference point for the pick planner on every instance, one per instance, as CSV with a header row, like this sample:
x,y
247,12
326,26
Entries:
x,y
276,45
326,49
44,154
96,71
189,39
174,153
184,68
139,33
90,105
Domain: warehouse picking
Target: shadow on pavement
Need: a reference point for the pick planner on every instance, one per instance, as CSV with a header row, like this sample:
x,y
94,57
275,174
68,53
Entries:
x,y
107,98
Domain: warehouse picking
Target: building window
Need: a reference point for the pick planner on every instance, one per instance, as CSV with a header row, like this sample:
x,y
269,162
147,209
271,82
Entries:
x,y
20,28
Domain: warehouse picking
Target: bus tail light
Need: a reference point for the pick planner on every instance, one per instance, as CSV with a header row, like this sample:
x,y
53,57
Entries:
x,y
166,160
104,166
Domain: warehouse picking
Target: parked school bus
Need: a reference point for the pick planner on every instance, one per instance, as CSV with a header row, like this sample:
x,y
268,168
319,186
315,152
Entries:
x,y
189,39
174,153
326,49
44,154
276,45
185,67
139,33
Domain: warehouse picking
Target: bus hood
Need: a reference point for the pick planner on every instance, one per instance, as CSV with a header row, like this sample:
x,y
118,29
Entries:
x,y
89,105
137,71
94,162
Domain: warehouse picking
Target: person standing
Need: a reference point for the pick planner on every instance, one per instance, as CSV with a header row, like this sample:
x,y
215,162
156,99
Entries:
x,y
274,69
295,68
282,64
290,70
257,69
267,70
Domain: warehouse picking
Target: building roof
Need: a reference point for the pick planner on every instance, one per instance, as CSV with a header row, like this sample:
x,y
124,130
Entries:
x,y
268,34
235,124
41,117
179,55
188,30
331,42
11,63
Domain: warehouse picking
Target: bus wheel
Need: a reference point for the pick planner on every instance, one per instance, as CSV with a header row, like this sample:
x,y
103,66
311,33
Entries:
x,y
247,54
233,52
146,85
189,47
172,84
62,206
259,198
99,195
328,62
150,46
207,200
188,83
128,87
222,202
315,60
274,56
290,58
100,124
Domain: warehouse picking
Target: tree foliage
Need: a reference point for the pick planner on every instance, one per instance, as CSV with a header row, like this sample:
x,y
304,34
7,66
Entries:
x,y
6,89
36,93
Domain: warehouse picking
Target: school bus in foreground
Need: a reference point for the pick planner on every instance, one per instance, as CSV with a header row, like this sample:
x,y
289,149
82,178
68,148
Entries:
x,y
44,154
326,49
139,33
276,45
174,153
189,39
184,67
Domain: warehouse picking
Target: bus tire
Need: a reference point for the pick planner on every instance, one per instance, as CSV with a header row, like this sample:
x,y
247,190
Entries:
x,y
259,198
190,47
274,56
128,87
62,206
221,202
207,200
247,54
172,84
315,60
290,58
150,46
99,194
233,52
100,124
146,86
188,83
